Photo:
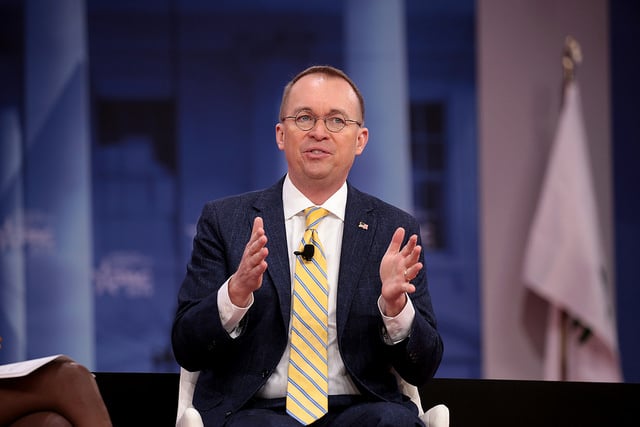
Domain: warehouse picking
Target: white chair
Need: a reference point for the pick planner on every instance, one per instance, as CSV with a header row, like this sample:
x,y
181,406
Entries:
x,y
188,416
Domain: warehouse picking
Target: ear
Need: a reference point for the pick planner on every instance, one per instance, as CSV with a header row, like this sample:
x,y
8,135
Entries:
x,y
361,141
280,136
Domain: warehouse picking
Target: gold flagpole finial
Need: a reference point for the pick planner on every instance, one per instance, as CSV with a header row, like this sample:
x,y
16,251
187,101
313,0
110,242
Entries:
x,y
571,58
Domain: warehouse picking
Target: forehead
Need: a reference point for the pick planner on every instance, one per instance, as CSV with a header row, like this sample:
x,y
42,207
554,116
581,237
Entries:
x,y
323,93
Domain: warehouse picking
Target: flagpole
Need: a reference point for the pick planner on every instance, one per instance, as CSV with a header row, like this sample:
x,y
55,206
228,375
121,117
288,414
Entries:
x,y
565,261
571,58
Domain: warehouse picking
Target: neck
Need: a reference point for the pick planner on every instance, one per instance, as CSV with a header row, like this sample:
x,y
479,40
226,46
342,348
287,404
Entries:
x,y
317,192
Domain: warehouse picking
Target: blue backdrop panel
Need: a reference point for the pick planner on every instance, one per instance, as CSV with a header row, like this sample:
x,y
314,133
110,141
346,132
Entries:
x,y
184,98
58,182
135,275
13,320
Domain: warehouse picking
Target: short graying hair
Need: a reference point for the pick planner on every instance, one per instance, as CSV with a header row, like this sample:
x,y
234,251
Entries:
x,y
326,70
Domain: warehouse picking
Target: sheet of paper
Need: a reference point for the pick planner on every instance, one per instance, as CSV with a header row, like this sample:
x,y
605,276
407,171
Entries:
x,y
20,369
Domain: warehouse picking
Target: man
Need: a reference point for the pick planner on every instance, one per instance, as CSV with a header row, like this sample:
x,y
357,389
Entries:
x,y
234,317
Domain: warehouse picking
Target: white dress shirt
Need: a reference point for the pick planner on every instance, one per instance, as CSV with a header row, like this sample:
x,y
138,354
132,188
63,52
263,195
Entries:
x,y
330,234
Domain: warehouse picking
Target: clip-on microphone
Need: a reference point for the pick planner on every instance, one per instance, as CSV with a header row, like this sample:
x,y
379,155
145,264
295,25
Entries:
x,y
307,252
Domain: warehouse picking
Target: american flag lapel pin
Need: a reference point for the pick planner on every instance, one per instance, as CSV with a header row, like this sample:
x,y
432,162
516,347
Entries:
x,y
363,225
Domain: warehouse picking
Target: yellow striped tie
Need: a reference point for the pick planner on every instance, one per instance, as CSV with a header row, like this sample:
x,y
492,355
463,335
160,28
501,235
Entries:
x,y
307,386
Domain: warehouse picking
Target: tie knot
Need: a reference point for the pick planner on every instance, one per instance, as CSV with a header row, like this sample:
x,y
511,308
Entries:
x,y
313,216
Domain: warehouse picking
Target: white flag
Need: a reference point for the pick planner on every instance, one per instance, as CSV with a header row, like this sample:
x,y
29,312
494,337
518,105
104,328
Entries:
x,y
565,262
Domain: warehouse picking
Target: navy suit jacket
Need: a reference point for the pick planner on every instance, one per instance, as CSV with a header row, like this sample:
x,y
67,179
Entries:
x,y
233,370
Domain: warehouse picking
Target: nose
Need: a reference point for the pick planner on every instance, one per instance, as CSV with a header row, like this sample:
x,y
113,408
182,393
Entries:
x,y
319,127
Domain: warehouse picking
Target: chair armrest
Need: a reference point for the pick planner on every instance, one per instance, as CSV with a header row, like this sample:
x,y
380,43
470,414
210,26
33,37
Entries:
x,y
437,416
190,418
186,415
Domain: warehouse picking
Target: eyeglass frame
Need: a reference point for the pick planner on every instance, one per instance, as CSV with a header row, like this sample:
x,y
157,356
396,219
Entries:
x,y
324,119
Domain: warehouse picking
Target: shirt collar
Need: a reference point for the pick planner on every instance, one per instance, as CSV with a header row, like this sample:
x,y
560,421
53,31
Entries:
x,y
294,201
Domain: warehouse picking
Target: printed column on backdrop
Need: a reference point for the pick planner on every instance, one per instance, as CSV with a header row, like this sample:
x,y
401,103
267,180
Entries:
x,y
565,260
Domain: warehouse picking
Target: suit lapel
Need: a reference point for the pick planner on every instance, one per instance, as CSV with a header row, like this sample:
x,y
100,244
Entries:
x,y
269,207
359,228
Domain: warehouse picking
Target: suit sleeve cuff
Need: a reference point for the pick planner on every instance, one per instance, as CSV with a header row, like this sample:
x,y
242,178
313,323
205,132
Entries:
x,y
397,328
230,314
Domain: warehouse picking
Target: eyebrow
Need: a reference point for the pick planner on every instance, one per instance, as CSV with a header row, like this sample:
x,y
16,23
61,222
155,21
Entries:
x,y
331,112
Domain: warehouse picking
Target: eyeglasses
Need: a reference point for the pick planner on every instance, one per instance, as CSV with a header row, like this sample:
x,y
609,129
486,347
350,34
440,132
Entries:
x,y
306,121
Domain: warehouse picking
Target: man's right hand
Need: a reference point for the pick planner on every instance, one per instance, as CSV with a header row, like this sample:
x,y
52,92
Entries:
x,y
248,277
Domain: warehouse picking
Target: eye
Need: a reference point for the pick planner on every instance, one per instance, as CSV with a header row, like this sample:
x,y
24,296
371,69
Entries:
x,y
337,120
304,118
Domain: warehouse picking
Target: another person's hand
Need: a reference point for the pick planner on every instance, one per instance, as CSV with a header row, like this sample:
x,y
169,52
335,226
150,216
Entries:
x,y
397,268
248,277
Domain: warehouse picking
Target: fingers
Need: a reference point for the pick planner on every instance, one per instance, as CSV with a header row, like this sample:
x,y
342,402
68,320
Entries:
x,y
396,241
411,272
406,257
411,252
256,251
399,266
248,276
258,237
